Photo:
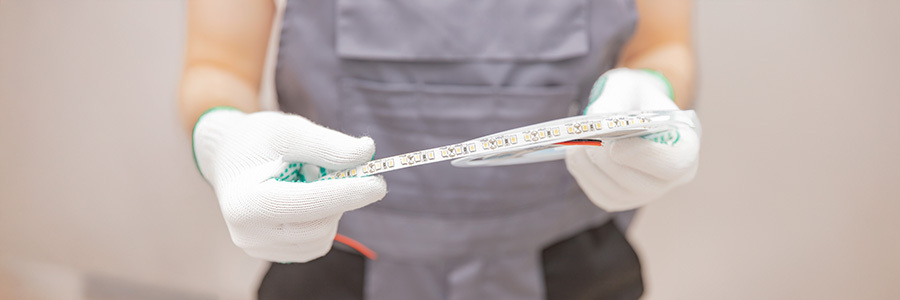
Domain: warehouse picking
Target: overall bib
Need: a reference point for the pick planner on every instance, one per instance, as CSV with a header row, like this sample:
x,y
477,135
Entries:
x,y
419,74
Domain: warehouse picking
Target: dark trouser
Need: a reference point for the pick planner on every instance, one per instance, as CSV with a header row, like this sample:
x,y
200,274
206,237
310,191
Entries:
x,y
598,263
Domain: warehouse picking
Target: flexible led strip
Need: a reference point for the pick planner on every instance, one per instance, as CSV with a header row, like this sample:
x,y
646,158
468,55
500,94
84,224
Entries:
x,y
498,146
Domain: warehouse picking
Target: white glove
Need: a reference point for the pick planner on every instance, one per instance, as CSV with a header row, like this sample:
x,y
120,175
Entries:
x,y
263,167
629,173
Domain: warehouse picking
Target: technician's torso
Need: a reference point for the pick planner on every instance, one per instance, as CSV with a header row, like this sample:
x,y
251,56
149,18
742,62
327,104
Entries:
x,y
420,74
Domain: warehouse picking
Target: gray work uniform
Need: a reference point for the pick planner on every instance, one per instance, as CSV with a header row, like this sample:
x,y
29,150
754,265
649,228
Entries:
x,y
419,74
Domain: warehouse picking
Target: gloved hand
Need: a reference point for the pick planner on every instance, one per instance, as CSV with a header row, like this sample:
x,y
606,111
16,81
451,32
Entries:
x,y
631,172
263,168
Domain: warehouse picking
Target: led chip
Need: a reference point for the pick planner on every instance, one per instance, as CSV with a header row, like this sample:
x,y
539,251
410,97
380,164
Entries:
x,y
512,139
543,134
353,172
499,143
585,127
458,150
570,129
418,158
611,124
403,160
444,152
390,163
430,154
598,125
485,145
471,147
527,137
556,131
365,169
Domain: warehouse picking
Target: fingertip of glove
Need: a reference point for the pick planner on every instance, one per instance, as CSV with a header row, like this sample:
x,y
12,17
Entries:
x,y
345,153
361,191
368,144
378,181
362,151
377,185
371,183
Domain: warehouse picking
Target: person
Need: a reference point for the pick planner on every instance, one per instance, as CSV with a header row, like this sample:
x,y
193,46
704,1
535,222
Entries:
x,y
409,75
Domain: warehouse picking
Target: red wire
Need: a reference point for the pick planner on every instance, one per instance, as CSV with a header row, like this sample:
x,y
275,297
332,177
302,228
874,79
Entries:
x,y
365,251
580,143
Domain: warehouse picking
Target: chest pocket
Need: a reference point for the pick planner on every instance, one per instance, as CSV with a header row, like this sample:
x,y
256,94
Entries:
x,y
450,30
421,74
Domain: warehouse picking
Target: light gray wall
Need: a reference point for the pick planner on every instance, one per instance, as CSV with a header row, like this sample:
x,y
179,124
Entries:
x,y
796,196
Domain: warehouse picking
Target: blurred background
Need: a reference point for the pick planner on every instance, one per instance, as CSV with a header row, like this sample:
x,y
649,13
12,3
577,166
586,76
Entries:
x,y
796,197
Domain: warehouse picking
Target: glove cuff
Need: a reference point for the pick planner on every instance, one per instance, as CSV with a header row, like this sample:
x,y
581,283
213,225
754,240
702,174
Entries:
x,y
625,89
656,79
661,78
208,131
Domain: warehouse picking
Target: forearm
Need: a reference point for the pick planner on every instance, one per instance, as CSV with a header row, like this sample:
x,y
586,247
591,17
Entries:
x,y
662,42
205,86
225,55
676,62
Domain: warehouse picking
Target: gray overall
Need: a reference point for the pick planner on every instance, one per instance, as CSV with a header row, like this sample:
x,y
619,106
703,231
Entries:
x,y
419,74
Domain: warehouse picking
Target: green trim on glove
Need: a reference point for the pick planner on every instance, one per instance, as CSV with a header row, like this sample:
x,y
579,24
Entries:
x,y
293,173
600,85
670,137
662,77
194,130
596,90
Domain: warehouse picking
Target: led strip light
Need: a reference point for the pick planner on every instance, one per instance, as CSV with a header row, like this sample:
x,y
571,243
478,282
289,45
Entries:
x,y
504,148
